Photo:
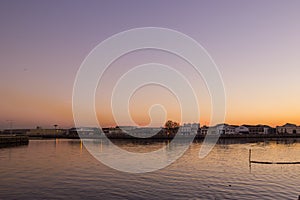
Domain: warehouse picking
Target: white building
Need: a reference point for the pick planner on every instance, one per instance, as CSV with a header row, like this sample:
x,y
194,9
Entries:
x,y
213,130
258,129
189,129
288,128
230,129
220,128
224,129
242,130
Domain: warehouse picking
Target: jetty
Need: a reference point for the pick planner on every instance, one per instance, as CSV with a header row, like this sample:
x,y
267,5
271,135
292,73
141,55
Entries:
x,y
13,140
269,162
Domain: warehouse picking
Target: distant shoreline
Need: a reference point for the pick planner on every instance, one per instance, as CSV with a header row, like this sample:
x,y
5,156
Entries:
x,y
17,140
197,137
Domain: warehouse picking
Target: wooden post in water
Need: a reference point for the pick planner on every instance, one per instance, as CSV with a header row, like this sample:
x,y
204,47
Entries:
x,y
249,156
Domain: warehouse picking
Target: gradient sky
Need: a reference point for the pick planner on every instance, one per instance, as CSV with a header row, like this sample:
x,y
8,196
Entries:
x,y
255,44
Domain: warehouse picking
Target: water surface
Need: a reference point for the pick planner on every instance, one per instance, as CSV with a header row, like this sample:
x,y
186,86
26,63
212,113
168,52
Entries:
x,y
60,169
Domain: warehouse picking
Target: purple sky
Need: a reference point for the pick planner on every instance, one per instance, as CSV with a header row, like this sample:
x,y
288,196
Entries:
x,y
256,45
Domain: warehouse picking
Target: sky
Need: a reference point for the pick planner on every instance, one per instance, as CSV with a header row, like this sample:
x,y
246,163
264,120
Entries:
x,y
255,44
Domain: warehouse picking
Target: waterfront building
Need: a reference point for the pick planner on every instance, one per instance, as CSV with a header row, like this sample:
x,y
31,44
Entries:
x,y
189,129
225,129
230,129
258,129
288,129
195,128
242,130
220,129
38,132
217,129
84,131
15,131
203,130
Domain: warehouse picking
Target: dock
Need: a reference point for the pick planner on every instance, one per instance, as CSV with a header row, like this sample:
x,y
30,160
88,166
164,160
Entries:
x,y
270,163
13,140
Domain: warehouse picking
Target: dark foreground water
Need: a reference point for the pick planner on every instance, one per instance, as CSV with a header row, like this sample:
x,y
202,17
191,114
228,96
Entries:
x,y
63,169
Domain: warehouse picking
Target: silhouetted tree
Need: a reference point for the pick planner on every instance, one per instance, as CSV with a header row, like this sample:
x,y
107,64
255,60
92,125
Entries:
x,y
171,125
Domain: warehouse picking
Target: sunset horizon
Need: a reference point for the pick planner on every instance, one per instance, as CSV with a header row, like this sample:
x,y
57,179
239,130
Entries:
x,y
160,99
257,60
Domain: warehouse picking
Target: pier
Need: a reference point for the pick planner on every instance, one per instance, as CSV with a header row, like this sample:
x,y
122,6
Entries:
x,y
270,163
13,140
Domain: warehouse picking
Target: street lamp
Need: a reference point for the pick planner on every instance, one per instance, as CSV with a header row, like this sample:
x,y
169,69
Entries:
x,y
10,125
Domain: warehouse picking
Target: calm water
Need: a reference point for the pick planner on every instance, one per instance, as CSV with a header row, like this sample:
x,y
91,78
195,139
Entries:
x,y
59,169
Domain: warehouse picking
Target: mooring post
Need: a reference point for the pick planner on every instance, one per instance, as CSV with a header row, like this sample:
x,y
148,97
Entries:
x,y
249,156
